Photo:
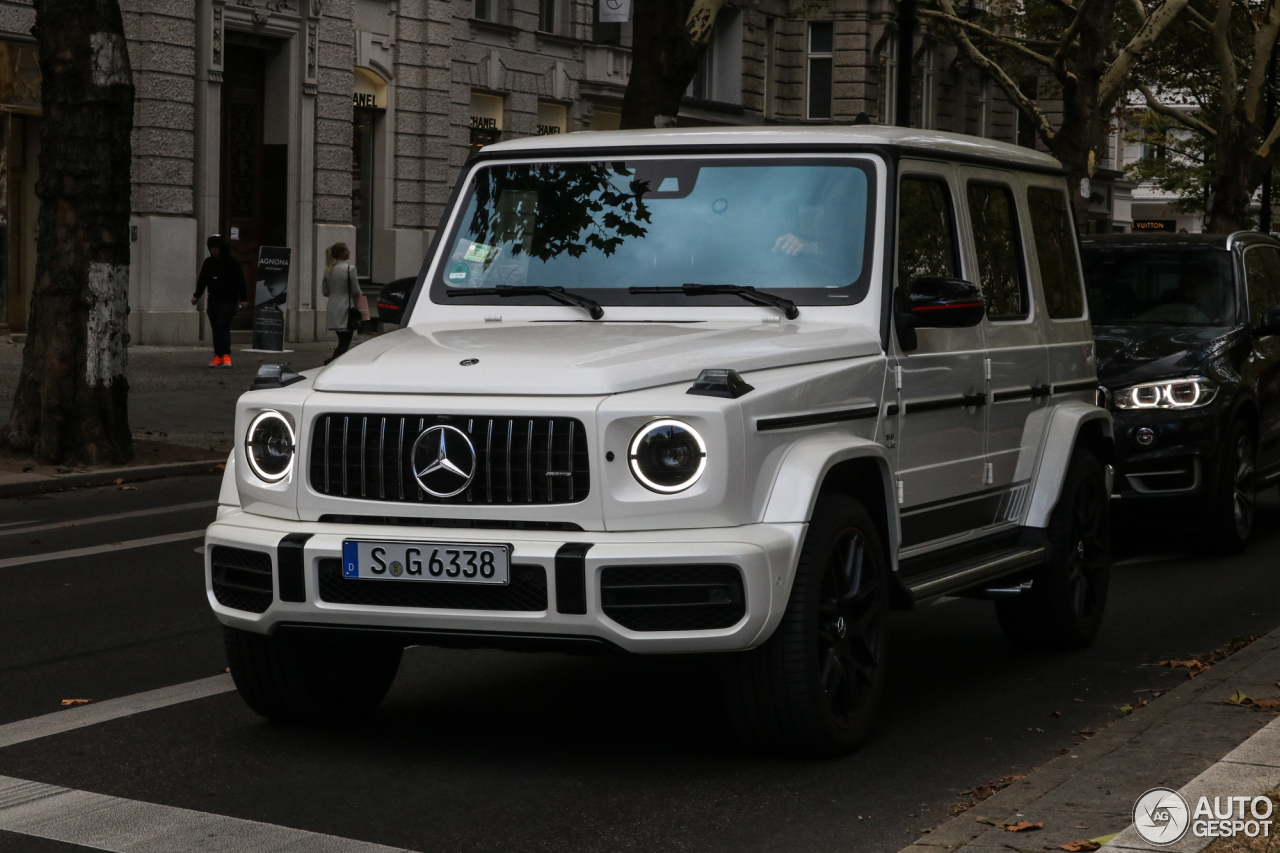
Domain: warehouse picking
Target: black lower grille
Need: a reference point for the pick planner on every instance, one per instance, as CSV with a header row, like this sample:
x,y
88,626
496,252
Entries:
x,y
511,459
673,598
526,591
1163,475
241,578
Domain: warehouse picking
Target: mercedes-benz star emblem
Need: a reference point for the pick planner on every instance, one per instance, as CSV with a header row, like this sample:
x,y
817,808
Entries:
x,y
443,460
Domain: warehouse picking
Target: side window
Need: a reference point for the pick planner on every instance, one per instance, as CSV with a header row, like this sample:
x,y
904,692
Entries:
x,y
1262,278
1056,253
995,236
926,230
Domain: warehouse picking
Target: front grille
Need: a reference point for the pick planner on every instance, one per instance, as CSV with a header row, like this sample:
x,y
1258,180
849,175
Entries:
x,y
241,578
673,598
526,591
519,460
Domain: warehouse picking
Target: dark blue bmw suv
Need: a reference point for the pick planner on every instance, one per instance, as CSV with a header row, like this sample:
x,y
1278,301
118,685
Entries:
x,y
1187,328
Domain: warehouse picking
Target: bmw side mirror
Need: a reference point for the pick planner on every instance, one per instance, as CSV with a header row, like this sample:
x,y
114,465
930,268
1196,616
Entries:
x,y
937,302
393,298
1270,322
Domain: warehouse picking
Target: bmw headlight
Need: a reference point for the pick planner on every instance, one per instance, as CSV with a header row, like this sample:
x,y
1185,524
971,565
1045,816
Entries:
x,y
667,456
1189,393
269,446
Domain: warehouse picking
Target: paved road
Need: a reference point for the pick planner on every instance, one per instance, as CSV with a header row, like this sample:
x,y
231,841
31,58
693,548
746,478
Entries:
x,y
491,751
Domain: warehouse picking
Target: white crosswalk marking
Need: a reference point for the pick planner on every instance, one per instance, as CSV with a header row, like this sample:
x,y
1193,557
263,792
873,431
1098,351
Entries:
x,y
131,826
101,549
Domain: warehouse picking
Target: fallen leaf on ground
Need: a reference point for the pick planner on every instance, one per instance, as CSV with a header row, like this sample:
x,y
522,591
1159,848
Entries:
x,y
1022,826
1103,839
1239,698
1266,704
128,488
117,481
988,821
76,701
1077,846
222,467
1129,709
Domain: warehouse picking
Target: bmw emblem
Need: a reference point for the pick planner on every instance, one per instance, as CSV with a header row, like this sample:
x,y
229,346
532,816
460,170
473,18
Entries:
x,y
443,460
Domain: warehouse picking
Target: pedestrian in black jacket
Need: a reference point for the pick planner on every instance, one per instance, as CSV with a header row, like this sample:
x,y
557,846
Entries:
x,y
222,276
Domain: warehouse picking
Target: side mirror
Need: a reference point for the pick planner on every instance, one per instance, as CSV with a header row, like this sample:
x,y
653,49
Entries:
x,y
393,298
936,302
1270,322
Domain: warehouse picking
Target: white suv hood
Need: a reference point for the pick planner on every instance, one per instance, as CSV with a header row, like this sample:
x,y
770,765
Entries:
x,y
579,357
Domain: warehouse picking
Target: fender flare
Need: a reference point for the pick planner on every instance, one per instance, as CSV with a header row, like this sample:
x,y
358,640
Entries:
x,y
804,468
1065,425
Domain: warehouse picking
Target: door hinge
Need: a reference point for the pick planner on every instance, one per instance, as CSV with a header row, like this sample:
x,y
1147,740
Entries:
x,y
899,492
897,377
989,476
986,362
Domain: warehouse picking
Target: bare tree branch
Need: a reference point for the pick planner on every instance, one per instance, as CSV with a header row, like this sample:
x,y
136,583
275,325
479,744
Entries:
x,y
1183,118
1024,104
1221,35
1264,43
1066,40
1113,83
987,34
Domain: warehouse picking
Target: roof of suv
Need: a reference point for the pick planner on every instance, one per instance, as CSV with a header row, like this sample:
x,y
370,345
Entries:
x,y
929,142
1168,238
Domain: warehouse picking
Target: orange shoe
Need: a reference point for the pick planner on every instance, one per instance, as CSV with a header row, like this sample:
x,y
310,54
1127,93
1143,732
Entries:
x,y
226,361
217,361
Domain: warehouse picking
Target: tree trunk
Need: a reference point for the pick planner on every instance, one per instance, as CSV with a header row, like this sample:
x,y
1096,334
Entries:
x,y
71,400
1233,179
668,40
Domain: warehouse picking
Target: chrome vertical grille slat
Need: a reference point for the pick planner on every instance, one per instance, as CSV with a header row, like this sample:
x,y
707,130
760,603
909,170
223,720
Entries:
x,y
550,450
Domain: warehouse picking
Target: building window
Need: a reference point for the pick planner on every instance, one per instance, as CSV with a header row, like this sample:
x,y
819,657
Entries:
x,y
1025,133
719,76
922,91
362,188
818,96
770,67
552,119
549,16
887,83
486,10
486,120
1153,144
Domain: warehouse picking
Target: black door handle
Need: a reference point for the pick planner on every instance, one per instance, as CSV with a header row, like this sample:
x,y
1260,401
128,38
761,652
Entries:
x,y
975,400
1040,391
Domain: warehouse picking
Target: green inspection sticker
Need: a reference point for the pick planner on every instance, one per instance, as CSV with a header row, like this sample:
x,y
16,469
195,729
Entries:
x,y
459,272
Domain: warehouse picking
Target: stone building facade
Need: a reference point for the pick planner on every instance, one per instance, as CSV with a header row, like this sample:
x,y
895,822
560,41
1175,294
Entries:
x,y
300,123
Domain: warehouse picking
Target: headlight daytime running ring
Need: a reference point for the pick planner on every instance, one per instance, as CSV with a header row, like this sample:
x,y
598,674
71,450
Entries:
x,y
267,419
1191,392
637,459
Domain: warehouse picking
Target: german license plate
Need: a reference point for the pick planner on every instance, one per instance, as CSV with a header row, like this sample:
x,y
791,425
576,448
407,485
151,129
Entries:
x,y
426,561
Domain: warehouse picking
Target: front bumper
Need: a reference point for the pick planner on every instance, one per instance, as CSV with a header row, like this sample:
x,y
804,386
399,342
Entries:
x,y
1180,460
765,554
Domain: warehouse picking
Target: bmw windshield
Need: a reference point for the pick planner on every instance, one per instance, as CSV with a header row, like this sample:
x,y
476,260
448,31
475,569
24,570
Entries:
x,y
1159,285
798,227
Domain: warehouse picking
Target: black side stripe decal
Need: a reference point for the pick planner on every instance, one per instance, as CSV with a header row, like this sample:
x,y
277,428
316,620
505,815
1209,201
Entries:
x,y
966,400
1081,385
833,417
1002,396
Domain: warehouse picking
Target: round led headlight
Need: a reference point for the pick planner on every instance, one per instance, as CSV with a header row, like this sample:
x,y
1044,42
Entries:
x,y
667,456
269,446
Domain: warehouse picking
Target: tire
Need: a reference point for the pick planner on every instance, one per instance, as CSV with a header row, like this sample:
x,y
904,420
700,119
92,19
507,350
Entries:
x,y
1068,595
813,687
1230,509
293,679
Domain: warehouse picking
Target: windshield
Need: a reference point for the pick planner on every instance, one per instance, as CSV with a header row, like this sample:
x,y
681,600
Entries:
x,y
1169,286
802,227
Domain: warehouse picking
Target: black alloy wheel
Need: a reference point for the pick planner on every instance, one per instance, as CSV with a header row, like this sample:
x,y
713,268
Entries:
x,y
850,627
1231,504
814,686
1068,595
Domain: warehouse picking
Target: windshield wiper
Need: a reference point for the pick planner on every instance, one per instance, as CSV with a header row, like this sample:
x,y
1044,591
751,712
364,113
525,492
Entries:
x,y
756,297
559,294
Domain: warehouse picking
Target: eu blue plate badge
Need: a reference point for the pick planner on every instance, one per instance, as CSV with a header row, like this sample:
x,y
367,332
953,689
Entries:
x,y
350,560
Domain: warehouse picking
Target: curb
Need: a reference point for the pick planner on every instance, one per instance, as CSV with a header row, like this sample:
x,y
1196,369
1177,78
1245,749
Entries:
x,y
33,483
963,829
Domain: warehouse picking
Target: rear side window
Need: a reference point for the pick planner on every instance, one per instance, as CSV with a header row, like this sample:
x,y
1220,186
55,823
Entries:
x,y
1262,278
995,236
1056,253
926,230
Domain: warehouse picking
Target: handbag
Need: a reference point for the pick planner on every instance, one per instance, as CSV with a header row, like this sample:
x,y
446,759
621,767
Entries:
x,y
360,304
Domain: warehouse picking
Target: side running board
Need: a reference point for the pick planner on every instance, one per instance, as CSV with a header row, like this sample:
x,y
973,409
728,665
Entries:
x,y
970,573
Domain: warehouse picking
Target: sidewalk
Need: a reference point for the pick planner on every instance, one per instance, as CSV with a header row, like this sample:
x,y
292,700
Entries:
x,y
1189,739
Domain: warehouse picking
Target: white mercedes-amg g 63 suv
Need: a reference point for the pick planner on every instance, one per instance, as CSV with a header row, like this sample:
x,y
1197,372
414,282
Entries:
x,y
741,391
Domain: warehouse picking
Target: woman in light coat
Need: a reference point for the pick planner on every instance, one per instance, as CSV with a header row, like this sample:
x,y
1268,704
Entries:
x,y
342,286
